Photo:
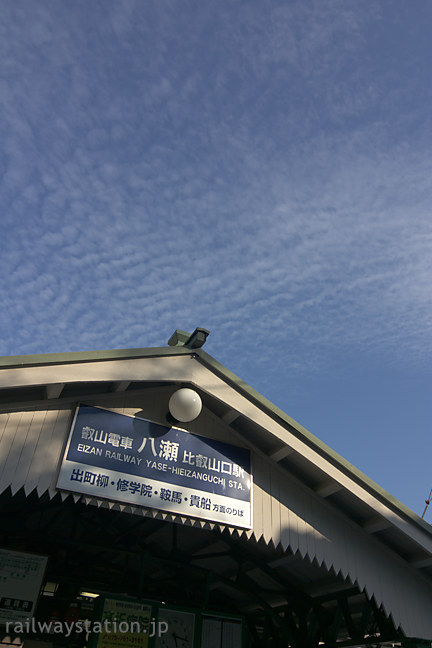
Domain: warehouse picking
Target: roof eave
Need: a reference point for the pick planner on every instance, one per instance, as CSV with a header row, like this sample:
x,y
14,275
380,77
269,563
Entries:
x,y
73,357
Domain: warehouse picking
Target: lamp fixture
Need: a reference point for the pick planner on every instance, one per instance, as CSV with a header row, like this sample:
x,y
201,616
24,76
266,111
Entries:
x,y
185,405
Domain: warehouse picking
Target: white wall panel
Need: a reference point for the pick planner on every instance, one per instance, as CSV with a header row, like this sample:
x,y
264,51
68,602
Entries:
x,y
285,512
4,417
25,460
276,517
10,446
39,464
55,441
313,527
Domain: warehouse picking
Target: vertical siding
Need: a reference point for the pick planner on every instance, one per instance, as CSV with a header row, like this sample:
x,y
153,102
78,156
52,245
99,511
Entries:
x,y
311,526
4,418
319,538
42,467
312,534
293,521
25,460
276,518
266,502
10,444
55,440
284,512
285,528
30,449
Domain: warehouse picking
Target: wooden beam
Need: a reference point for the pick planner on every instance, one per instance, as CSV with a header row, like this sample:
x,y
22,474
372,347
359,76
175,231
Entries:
x,y
54,391
327,488
121,386
375,524
420,561
281,453
230,417
328,587
284,560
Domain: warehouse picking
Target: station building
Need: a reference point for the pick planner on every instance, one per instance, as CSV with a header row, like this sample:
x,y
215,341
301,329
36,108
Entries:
x,y
237,529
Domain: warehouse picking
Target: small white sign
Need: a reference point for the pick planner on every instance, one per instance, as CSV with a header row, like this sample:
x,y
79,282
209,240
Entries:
x,y
21,576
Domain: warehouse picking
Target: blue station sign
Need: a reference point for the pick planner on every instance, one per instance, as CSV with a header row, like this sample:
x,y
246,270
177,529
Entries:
x,y
134,461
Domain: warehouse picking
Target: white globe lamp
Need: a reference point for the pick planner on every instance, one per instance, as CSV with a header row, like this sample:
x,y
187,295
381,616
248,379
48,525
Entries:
x,y
185,405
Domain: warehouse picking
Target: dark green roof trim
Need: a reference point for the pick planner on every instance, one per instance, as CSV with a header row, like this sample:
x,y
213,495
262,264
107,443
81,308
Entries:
x,y
312,441
73,357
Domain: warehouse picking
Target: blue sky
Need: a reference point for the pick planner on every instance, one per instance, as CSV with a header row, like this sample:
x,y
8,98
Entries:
x,y
259,168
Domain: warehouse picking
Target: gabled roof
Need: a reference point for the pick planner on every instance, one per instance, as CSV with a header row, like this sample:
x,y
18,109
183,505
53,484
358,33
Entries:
x,y
336,490
239,385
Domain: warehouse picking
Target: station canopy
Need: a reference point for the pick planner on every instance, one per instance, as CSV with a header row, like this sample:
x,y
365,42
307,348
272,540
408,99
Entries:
x,y
282,532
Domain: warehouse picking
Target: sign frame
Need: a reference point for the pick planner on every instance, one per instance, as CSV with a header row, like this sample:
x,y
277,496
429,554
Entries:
x,y
220,492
